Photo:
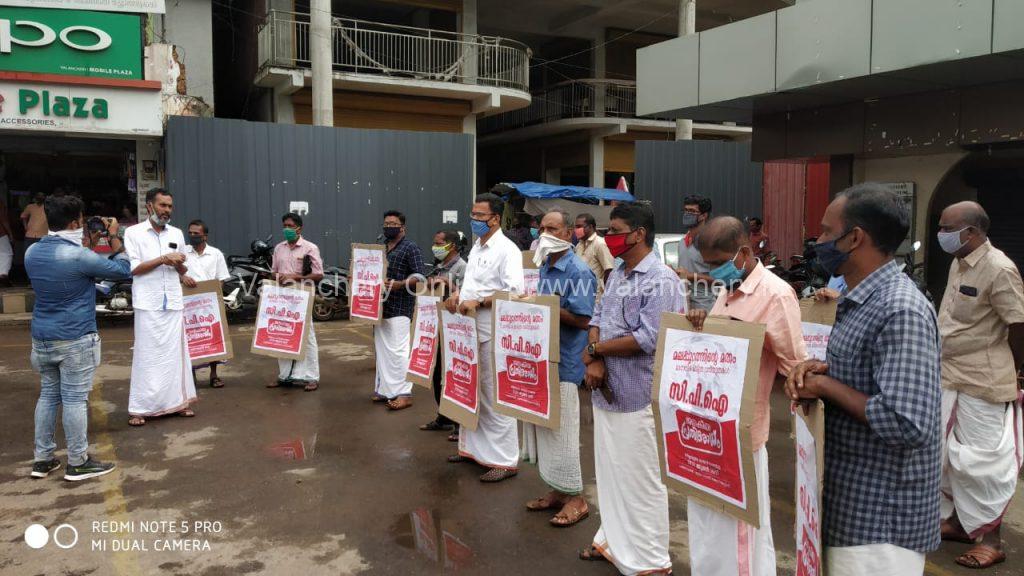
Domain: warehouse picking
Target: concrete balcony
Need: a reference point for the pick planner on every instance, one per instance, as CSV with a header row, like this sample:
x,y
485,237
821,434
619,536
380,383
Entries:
x,y
492,73
605,106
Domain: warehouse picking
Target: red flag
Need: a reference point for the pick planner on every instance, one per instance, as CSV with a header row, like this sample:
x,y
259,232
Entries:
x,y
622,184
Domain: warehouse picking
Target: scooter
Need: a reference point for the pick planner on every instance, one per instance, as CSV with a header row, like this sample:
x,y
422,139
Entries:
x,y
242,290
114,296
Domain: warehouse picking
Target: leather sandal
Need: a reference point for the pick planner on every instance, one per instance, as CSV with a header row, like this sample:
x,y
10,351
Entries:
x,y
498,474
575,515
981,556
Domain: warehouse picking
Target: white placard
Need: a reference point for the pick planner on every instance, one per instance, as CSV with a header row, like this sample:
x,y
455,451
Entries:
x,y
423,347
808,516
816,339
41,107
522,357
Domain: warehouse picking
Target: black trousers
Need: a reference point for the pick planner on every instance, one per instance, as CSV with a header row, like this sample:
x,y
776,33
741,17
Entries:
x,y
438,371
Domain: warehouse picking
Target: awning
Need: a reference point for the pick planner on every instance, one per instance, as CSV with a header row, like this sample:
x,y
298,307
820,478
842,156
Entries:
x,y
538,190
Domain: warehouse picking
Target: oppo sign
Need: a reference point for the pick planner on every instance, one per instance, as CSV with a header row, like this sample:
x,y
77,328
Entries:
x,y
71,42
49,35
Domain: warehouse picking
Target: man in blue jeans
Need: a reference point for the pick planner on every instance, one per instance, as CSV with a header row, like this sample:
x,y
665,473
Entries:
x,y
65,344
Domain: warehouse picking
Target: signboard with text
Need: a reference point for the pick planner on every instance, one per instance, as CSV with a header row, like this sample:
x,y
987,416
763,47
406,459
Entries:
x,y
704,391
282,321
460,395
526,355
81,109
366,289
817,319
809,434
531,274
135,6
425,335
206,326
71,42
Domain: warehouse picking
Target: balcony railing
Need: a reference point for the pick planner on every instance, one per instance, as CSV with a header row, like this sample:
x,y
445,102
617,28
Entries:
x,y
398,51
569,99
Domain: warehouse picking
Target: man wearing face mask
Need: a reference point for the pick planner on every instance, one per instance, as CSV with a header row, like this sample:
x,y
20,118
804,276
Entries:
x,y
720,544
65,342
495,264
881,388
204,262
449,270
981,321
297,261
162,380
391,336
619,361
692,268
593,250
557,451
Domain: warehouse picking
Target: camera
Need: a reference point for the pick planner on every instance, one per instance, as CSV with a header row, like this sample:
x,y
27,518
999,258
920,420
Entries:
x,y
96,224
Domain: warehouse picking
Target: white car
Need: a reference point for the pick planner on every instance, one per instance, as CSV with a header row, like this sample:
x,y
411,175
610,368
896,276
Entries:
x,y
666,246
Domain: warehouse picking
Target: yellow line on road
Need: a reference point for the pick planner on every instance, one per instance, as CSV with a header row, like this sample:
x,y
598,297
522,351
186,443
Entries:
x,y
125,562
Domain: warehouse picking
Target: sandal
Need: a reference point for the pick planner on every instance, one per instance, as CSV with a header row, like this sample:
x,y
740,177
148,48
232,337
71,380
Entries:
x,y
981,556
563,520
400,403
187,413
453,437
498,474
434,426
592,554
951,535
311,386
136,421
216,383
378,399
543,503
279,382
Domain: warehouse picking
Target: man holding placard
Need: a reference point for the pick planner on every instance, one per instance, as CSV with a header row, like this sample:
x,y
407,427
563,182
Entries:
x,y
204,262
495,264
882,395
620,368
719,543
297,261
391,335
449,270
564,274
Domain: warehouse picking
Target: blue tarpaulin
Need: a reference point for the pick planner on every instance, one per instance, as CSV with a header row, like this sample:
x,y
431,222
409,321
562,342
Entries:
x,y
538,190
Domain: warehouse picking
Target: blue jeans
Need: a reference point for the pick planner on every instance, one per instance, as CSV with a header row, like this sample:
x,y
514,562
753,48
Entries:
x,y
65,368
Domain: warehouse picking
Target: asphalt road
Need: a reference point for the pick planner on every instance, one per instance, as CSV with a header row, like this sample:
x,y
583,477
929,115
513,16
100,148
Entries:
x,y
281,481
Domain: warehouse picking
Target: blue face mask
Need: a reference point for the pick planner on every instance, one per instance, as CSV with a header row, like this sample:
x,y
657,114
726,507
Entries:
x,y
829,257
534,232
728,274
480,227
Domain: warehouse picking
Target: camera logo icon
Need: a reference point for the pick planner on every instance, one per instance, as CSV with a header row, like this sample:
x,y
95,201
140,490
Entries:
x,y
64,536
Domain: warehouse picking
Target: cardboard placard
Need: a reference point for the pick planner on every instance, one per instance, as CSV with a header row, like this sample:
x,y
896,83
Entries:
x,y
460,394
368,273
423,342
817,319
526,357
809,438
704,392
283,321
531,274
206,323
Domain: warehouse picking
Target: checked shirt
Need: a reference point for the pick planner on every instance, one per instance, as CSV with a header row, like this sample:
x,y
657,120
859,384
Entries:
x,y
882,478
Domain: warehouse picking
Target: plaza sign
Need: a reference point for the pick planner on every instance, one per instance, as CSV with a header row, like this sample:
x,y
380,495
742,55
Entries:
x,y
80,109
71,42
136,6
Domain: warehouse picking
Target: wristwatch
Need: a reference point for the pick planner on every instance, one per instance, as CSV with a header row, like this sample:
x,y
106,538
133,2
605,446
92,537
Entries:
x,y
592,349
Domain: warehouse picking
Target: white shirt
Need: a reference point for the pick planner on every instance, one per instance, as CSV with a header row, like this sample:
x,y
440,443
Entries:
x,y
492,267
210,265
159,289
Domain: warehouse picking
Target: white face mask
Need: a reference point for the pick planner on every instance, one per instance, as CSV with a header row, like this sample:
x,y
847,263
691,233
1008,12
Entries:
x,y
157,221
70,235
547,245
950,241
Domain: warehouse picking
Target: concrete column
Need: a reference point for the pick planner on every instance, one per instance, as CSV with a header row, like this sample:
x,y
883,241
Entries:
x,y
469,127
687,26
597,161
470,54
322,60
600,72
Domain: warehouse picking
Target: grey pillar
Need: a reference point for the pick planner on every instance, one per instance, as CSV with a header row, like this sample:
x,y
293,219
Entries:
x,y
687,26
320,55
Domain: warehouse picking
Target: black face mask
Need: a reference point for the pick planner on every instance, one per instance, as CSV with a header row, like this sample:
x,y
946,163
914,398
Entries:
x,y
195,240
392,232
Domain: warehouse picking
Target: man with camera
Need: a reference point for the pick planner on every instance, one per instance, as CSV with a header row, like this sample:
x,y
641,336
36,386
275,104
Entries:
x,y
65,343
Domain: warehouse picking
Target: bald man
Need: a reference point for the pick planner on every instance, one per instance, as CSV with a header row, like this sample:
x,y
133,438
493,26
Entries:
x,y
981,320
720,545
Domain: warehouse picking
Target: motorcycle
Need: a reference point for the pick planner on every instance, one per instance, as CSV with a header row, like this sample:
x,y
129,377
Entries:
x,y
916,270
242,290
331,298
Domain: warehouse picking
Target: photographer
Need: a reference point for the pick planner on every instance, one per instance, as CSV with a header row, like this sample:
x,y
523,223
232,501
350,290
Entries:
x,y
65,343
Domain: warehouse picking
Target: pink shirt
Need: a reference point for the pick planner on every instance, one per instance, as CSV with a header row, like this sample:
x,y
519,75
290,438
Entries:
x,y
764,298
288,257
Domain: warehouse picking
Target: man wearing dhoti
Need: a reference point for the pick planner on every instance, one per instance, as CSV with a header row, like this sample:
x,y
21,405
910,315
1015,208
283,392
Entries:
x,y
721,545
981,321
495,264
620,368
161,381
297,262
204,263
391,336
557,451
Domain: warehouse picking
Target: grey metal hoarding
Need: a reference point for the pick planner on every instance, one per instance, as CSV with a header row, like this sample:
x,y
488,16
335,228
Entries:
x,y
667,172
240,178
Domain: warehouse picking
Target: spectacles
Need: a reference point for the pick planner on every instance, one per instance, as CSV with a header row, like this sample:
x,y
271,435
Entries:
x,y
481,215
